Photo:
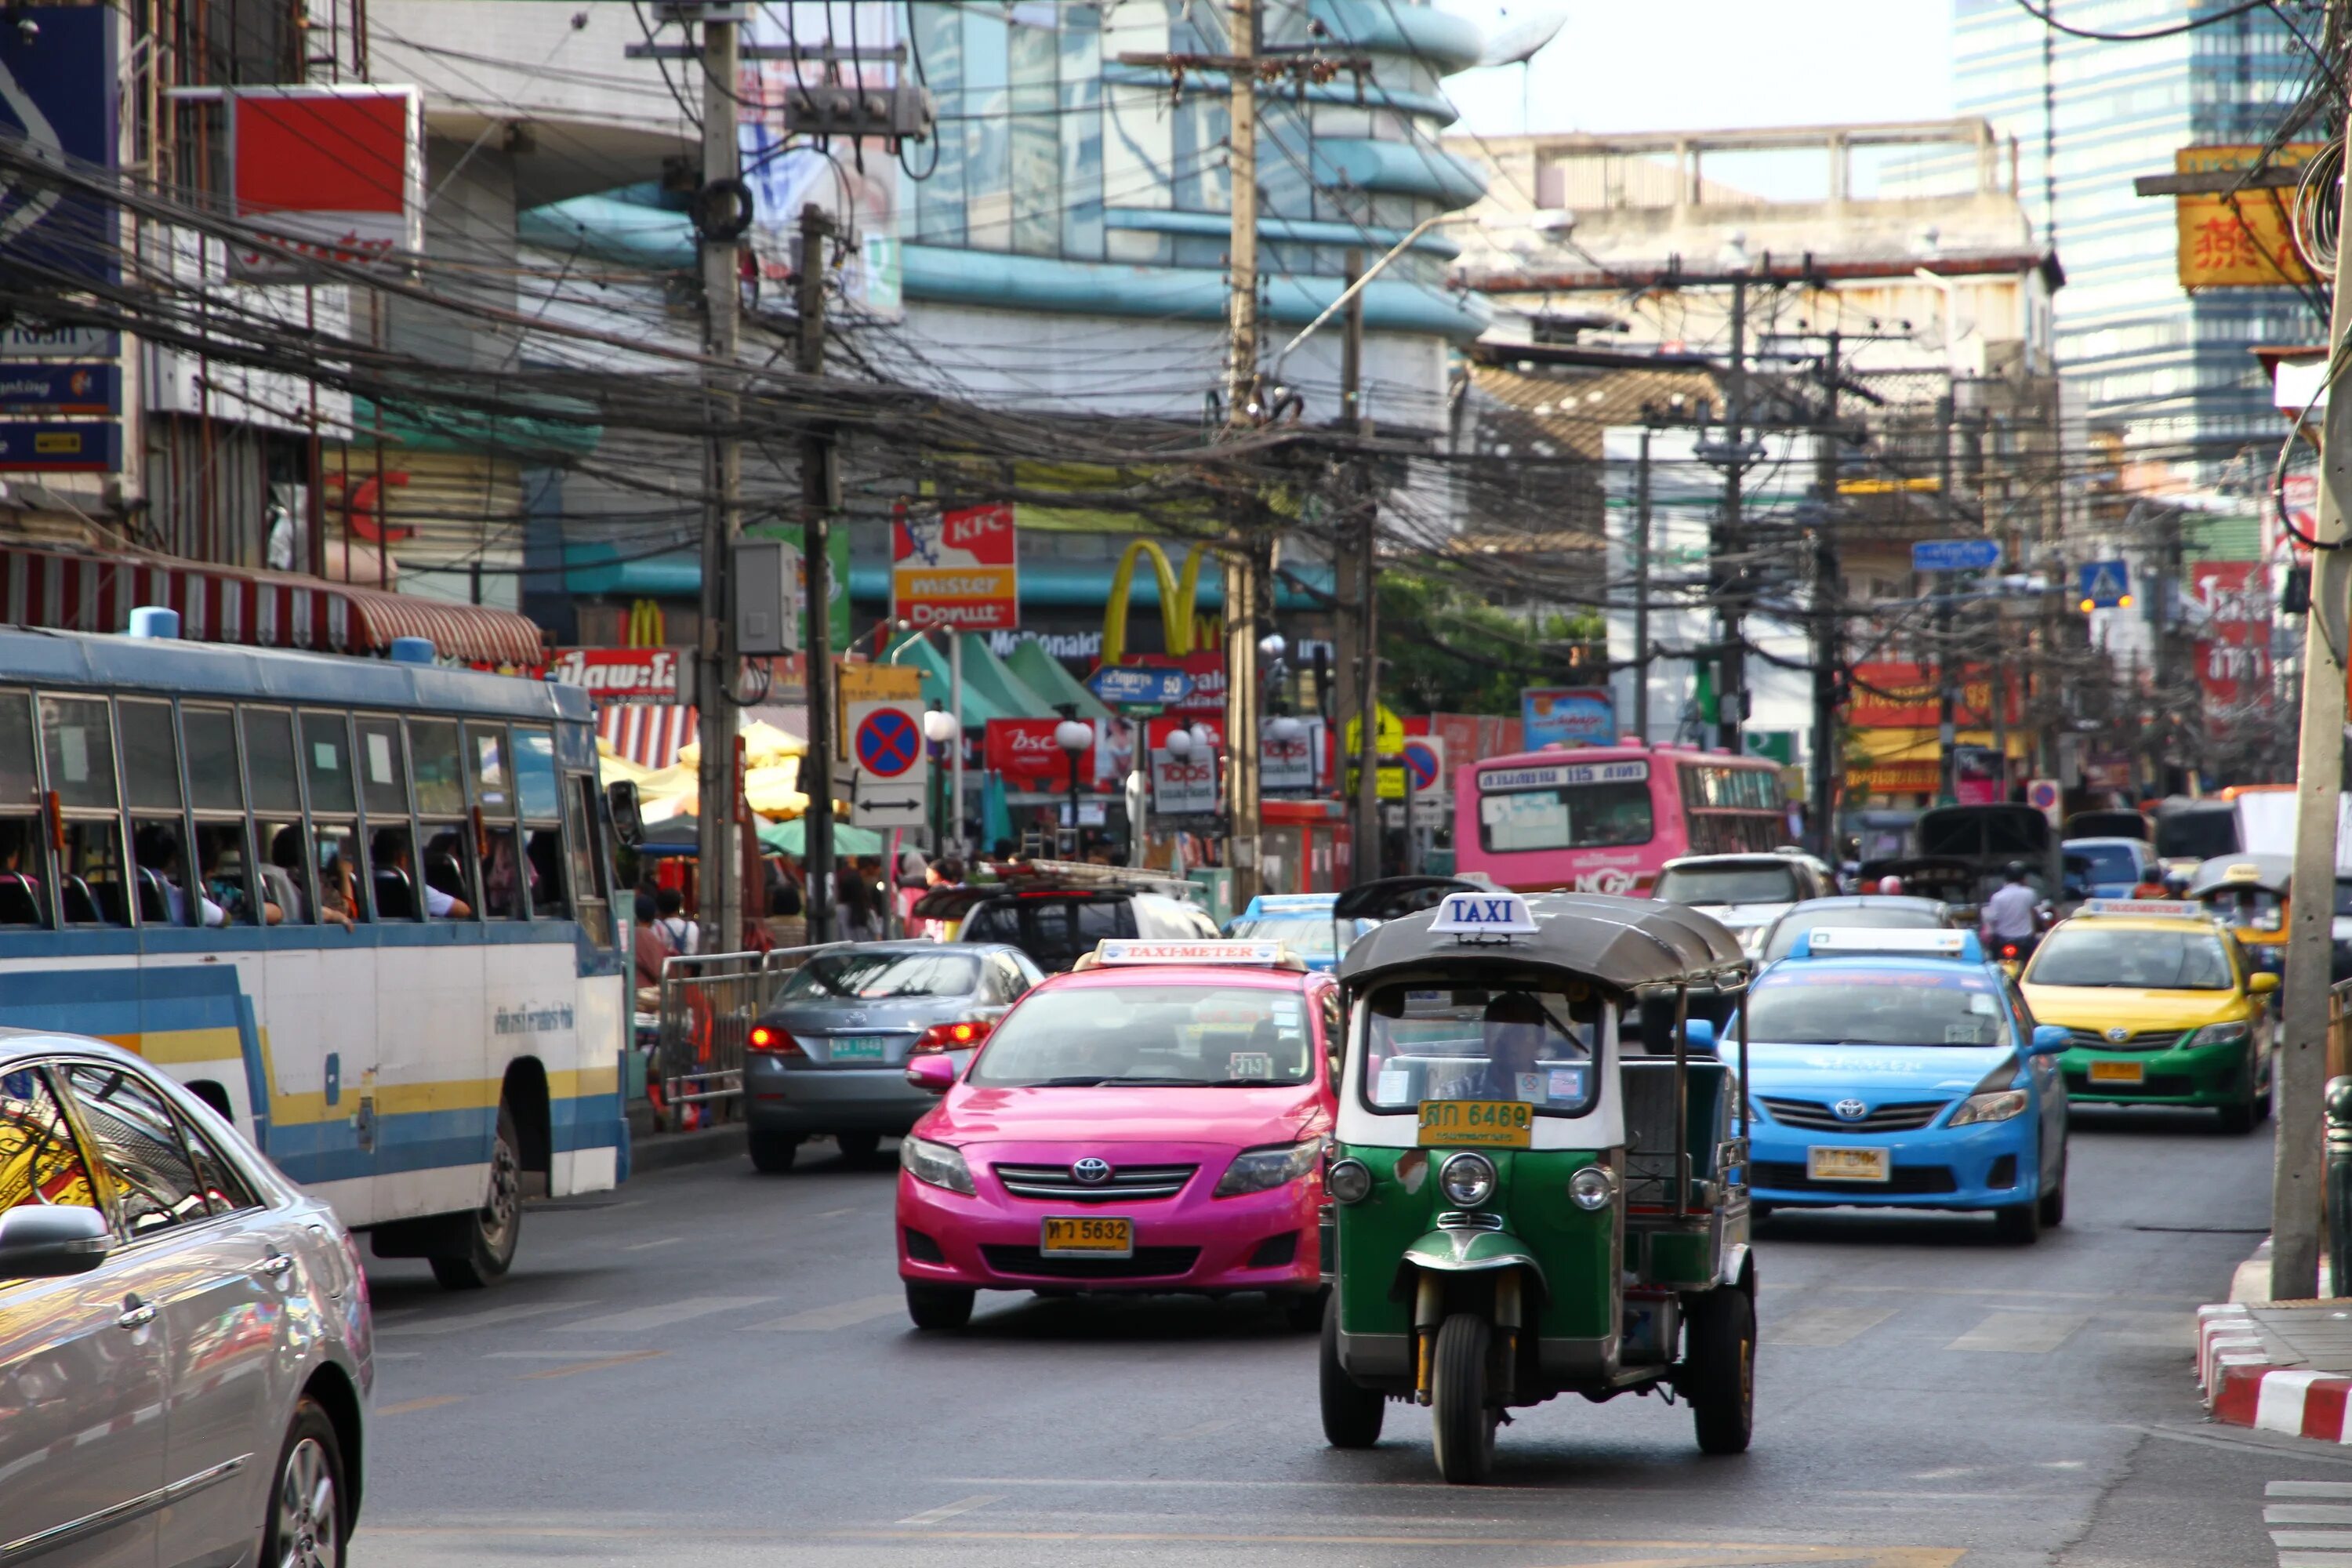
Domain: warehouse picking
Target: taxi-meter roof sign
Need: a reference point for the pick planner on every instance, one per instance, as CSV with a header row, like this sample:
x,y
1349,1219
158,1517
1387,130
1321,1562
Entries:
x,y
1115,953
1467,914
1844,941
2187,909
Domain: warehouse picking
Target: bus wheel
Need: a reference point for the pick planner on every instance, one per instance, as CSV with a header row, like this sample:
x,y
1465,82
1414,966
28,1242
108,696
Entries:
x,y
1464,1423
488,1236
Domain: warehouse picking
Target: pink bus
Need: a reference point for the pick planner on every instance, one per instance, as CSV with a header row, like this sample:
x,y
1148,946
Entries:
x,y
1604,819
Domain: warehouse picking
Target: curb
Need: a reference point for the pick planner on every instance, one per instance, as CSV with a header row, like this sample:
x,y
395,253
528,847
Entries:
x,y
2244,1388
669,1151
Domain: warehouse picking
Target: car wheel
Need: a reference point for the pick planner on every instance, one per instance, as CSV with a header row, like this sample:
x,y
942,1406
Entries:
x,y
1719,1369
858,1148
2019,1224
488,1237
773,1152
939,1305
2051,1208
1463,1424
2238,1119
305,1525
1758,1212
1302,1309
1351,1412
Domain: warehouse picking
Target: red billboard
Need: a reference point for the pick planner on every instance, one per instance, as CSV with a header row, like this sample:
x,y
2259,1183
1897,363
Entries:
x,y
1024,751
1909,696
324,175
2234,657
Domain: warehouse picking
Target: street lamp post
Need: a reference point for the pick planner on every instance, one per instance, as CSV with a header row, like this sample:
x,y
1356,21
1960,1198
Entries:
x,y
1074,735
938,729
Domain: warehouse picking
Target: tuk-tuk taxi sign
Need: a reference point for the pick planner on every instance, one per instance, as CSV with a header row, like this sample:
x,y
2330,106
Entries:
x,y
1470,915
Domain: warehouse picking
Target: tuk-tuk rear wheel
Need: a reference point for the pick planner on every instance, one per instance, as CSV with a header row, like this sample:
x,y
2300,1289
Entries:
x,y
1719,1376
1463,1423
1351,1412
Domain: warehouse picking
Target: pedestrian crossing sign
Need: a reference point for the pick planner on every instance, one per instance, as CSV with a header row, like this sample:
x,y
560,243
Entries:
x,y
2103,585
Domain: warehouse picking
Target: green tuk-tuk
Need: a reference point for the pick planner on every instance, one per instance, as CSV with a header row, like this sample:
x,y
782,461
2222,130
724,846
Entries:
x,y
1538,1175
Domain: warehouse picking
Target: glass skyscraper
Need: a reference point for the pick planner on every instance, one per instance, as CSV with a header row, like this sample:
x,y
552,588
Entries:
x,y
2168,370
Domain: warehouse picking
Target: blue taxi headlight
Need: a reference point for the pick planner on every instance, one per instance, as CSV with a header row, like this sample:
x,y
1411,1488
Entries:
x,y
1999,1106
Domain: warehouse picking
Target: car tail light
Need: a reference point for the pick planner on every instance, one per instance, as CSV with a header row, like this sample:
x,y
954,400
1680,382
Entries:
x,y
2009,950
768,1040
959,1035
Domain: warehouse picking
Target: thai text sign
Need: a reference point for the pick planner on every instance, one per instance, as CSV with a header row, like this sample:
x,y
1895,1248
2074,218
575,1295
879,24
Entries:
x,y
618,674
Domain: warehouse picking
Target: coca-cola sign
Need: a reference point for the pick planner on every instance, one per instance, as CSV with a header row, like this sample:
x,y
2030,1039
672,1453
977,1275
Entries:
x,y
1024,750
619,673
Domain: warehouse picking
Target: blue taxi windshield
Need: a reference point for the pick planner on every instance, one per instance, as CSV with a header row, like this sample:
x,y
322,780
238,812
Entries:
x,y
1821,1004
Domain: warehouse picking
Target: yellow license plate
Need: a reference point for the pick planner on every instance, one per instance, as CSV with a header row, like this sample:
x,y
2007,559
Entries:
x,y
1848,1165
2118,1072
1088,1236
1476,1123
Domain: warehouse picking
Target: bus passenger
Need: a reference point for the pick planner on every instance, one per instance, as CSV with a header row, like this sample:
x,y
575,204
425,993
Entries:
x,y
391,855
157,848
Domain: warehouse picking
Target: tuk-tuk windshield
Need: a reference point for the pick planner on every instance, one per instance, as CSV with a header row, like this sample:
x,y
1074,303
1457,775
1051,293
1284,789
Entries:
x,y
1479,1042
2247,908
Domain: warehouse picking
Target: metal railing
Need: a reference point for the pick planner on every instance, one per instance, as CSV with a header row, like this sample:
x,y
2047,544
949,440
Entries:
x,y
709,1002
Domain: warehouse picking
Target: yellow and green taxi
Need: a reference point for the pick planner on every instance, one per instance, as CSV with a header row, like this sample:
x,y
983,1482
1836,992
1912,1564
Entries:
x,y
2164,1007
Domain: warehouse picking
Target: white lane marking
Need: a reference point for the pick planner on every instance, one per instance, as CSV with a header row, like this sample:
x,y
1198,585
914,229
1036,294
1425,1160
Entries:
x,y
2308,1488
548,1355
2020,1333
950,1510
2320,1539
2307,1513
484,1319
840,1315
834,1213
1822,1328
662,1316
649,1246
2315,1560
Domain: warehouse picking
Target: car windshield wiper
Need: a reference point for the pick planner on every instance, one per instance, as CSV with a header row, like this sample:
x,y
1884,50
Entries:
x,y
1090,1080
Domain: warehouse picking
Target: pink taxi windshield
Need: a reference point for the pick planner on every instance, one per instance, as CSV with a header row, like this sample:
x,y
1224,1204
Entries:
x,y
1190,1037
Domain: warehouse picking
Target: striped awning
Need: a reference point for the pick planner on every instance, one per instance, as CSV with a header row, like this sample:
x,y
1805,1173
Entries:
x,y
648,734
68,591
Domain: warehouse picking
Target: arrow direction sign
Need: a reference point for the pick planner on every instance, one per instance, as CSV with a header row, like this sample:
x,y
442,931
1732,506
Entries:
x,y
1955,554
1139,686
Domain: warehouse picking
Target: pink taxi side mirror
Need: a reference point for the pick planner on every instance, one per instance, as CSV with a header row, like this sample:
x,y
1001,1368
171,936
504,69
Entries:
x,y
933,1072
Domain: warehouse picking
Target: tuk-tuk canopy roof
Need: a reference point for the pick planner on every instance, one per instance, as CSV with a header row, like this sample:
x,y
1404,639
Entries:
x,y
1390,897
2272,873
1624,944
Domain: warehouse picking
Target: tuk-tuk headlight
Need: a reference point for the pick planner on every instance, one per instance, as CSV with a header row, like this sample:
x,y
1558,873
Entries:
x,y
1467,1179
1350,1182
1591,1188
2219,1035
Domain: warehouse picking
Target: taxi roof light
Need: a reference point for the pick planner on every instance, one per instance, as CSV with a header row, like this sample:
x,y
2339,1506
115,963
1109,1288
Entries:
x,y
2188,909
1855,941
1129,953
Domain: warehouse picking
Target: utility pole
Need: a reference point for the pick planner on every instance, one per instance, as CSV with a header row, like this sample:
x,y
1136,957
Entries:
x,y
1246,561
1947,734
2301,1072
1823,777
1731,690
1359,599
1641,587
819,499
718,833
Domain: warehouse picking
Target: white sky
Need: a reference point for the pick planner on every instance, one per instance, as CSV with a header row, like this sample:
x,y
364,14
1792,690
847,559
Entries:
x,y
1714,65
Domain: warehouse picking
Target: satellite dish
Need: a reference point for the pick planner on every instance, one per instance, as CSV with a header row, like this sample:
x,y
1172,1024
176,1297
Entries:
x,y
1519,42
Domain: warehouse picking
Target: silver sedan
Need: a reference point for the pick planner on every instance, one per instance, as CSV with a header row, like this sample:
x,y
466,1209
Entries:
x,y
185,1365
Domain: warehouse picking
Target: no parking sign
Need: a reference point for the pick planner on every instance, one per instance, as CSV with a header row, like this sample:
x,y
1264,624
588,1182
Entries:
x,y
2044,796
1424,762
890,769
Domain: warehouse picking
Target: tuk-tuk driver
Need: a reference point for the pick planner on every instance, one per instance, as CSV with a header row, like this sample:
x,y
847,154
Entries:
x,y
1517,1032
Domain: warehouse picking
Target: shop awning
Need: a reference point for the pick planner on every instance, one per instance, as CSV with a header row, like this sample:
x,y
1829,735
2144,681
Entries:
x,y
66,591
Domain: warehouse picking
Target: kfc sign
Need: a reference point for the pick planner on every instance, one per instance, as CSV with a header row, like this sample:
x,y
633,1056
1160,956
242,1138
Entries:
x,y
1024,751
960,568
619,673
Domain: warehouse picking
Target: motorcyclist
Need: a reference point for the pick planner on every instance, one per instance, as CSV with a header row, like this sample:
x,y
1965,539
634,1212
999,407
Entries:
x,y
2008,916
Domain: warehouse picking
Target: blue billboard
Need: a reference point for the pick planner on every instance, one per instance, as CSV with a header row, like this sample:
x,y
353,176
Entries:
x,y
57,102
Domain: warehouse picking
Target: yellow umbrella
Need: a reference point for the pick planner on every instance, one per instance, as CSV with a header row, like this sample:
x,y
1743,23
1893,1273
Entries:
x,y
763,743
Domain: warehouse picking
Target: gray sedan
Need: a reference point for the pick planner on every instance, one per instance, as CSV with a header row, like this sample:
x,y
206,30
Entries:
x,y
184,1342
829,1052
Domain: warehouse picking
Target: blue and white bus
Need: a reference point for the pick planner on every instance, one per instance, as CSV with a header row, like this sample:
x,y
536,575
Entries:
x,y
364,907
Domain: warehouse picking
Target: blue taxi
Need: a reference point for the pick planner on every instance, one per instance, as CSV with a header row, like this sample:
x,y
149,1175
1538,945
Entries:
x,y
1899,1068
1303,922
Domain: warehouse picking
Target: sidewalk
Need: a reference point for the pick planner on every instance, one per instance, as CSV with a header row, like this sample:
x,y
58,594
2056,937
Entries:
x,y
2277,1366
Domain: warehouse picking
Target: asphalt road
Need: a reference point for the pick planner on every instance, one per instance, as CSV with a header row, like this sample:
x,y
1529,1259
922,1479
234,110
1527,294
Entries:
x,y
713,1368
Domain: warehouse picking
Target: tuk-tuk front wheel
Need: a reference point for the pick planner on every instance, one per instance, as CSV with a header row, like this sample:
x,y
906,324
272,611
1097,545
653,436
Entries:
x,y
1720,1372
1463,1425
1351,1412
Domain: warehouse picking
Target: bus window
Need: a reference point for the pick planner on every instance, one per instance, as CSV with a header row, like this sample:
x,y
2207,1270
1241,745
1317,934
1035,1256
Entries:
x,y
80,746
339,872
90,874
440,775
162,877
392,868
269,759
534,770
487,745
326,763
224,873
384,767
547,875
286,875
447,869
213,781
579,822
502,874
151,755
1571,816
23,899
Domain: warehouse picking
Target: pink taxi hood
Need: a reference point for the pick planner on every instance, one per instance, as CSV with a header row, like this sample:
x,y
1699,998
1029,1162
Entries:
x,y
1237,1117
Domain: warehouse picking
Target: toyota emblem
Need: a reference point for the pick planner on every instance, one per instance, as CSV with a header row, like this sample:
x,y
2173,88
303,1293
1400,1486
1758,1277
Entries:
x,y
1851,1109
854,1016
1090,1172
2119,1034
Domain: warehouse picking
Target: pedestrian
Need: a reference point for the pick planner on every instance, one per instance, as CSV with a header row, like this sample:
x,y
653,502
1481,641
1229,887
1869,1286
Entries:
x,y
853,913
2009,915
944,872
680,934
650,951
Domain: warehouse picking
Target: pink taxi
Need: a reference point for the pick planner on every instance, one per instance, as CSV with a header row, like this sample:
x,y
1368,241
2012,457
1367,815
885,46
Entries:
x,y
1153,1121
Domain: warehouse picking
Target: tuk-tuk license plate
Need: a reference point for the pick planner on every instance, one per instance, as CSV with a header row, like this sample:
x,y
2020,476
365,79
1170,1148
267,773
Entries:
x,y
859,1047
1848,1165
2118,1072
1476,1123
1089,1236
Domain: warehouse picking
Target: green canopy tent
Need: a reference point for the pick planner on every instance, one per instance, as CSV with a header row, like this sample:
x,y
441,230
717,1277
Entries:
x,y
979,706
792,838
1046,676
986,673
